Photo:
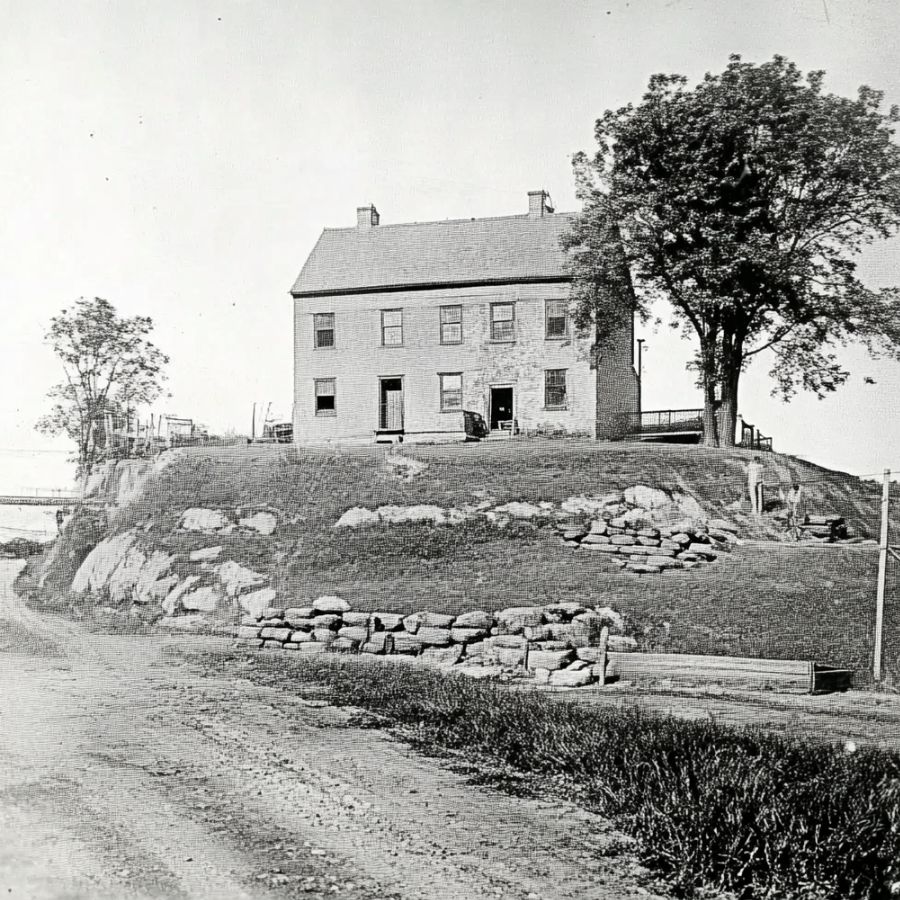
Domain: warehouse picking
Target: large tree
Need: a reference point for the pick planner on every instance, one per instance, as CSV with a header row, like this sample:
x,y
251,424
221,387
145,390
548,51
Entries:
x,y
110,368
742,203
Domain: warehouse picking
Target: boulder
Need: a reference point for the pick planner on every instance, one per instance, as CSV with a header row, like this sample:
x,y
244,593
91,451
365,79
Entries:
x,y
467,635
538,632
326,620
518,510
173,598
344,644
290,645
703,550
509,657
664,562
578,665
405,643
645,496
515,618
272,645
200,519
433,637
622,539
575,634
620,643
514,641
354,633
330,604
256,602
358,517
591,654
612,619
301,637
312,647
435,620
548,659
275,634
299,613
94,573
123,580
723,525
206,554
261,522
550,645
598,526
648,541
643,568
237,579
542,676
477,619
379,642
571,677
573,535
356,618
446,656
604,548
593,538
324,635
412,623
247,633
387,621
203,599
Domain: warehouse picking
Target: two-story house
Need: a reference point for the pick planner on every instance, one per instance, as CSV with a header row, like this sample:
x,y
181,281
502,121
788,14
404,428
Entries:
x,y
399,329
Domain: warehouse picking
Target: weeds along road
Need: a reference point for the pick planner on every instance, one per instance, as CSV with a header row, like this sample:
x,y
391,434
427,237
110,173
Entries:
x,y
125,773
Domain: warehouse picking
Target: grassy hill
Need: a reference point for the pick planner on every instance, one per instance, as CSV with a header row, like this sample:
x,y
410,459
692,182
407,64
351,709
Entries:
x,y
774,600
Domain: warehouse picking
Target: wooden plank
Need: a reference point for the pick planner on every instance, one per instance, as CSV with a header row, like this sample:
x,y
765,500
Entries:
x,y
734,663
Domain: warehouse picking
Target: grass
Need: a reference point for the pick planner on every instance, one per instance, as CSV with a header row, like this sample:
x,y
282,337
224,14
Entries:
x,y
744,811
784,602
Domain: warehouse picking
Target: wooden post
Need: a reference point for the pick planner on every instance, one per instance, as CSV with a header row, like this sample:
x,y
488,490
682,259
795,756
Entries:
x,y
882,572
600,665
253,424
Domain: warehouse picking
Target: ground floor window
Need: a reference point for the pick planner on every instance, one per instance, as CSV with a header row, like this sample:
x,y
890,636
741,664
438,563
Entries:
x,y
555,389
326,396
451,391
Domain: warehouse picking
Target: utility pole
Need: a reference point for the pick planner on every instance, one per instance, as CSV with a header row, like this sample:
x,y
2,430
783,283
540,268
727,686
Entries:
x,y
640,373
882,572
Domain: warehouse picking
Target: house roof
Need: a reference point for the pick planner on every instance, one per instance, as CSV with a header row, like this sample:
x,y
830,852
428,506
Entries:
x,y
502,250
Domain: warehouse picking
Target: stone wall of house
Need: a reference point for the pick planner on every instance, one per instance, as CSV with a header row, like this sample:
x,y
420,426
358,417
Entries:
x,y
358,360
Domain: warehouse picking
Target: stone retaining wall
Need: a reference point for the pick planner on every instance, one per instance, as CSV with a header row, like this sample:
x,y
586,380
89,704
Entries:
x,y
562,644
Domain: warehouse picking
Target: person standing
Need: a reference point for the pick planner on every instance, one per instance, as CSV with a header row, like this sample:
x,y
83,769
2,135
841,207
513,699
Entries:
x,y
755,485
60,518
795,509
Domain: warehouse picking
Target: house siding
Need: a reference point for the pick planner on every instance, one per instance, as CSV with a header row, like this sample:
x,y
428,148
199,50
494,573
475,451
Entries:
x,y
358,360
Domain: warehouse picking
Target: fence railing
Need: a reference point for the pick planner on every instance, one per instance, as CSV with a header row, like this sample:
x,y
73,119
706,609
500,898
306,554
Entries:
x,y
664,421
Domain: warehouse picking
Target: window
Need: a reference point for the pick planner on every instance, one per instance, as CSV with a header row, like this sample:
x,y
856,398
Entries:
x,y
326,392
503,321
323,326
451,324
555,388
557,319
391,327
451,391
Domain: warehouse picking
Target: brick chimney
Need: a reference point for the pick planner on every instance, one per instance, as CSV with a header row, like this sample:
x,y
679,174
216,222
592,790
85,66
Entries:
x,y
366,216
539,203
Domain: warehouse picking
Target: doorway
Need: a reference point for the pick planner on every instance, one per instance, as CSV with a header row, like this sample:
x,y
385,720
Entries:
x,y
501,408
390,404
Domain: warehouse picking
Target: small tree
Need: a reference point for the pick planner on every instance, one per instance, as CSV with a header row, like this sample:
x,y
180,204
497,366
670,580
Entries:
x,y
110,367
742,203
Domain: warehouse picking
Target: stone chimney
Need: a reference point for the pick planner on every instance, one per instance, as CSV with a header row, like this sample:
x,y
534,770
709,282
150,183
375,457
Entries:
x,y
366,216
539,203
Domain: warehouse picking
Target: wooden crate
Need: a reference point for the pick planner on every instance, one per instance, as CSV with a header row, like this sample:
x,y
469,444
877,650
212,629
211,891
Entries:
x,y
736,671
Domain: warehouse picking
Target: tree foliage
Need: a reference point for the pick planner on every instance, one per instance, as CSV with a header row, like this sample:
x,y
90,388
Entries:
x,y
110,368
742,202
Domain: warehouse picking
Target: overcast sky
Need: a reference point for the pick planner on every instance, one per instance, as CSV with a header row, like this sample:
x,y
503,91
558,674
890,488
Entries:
x,y
180,159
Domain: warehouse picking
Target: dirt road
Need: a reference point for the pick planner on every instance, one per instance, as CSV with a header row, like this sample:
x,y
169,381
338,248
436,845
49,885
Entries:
x,y
126,773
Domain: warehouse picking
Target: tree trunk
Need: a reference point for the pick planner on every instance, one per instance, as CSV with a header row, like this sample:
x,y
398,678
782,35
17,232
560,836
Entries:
x,y
710,423
728,408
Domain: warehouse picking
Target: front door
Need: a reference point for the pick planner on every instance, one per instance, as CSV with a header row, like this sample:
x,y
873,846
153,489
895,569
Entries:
x,y
390,414
501,408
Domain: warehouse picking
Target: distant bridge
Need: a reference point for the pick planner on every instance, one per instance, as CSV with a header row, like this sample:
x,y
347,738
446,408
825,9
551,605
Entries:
x,y
39,500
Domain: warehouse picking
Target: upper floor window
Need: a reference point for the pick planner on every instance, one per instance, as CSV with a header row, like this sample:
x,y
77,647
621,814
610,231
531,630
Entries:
x,y
451,324
556,319
323,328
391,327
503,321
326,396
555,389
451,391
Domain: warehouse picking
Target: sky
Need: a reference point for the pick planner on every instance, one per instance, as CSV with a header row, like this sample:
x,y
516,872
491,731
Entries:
x,y
180,159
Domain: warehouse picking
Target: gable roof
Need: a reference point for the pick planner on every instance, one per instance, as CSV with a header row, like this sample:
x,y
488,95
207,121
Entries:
x,y
501,250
